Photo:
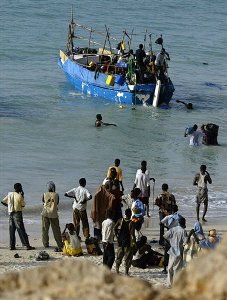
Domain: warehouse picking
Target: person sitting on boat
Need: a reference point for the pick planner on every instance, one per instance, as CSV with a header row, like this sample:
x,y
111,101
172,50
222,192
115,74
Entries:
x,y
140,55
187,105
120,47
99,122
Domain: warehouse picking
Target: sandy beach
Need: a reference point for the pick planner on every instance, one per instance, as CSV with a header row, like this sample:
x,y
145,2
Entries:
x,y
27,259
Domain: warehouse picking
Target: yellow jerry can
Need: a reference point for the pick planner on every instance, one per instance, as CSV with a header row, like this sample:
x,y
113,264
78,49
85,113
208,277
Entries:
x,y
110,80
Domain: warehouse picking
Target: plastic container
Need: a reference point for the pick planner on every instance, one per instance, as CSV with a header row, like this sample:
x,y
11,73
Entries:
x,y
110,80
119,79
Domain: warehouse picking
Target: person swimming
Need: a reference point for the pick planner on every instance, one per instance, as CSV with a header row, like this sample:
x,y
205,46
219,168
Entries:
x,y
99,122
187,105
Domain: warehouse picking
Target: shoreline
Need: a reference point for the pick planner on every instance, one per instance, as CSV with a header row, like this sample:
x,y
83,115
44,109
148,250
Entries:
x,y
27,258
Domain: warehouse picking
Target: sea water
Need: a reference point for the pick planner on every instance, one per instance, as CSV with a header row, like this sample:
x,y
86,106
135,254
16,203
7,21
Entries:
x,y
47,128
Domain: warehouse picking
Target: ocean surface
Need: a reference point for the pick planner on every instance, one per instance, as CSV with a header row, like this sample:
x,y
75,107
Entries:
x,y
47,128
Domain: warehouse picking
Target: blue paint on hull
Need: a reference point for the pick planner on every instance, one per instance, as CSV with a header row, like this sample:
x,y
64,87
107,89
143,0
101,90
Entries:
x,y
94,83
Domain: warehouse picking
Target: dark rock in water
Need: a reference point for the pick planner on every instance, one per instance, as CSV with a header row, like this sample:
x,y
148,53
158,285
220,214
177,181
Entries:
x,y
205,63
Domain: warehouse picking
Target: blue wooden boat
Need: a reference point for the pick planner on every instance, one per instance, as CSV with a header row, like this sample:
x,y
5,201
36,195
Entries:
x,y
110,75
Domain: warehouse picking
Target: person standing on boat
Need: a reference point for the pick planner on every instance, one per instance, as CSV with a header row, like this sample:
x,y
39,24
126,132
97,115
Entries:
x,y
201,179
99,122
160,63
140,55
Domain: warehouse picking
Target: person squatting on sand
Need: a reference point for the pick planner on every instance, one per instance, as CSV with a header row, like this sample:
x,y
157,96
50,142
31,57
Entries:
x,y
201,179
80,195
72,246
15,203
49,215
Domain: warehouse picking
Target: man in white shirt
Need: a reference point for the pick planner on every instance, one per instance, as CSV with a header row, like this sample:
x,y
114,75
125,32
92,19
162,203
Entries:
x,y
108,239
195,136
142,181
81,195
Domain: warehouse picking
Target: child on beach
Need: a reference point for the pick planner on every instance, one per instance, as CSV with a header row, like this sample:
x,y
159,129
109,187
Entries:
x,y
72,246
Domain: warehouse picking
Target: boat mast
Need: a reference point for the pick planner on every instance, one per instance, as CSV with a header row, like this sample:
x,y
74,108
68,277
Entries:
x,y
70,44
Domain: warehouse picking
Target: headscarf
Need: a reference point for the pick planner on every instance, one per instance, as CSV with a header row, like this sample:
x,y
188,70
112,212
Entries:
x,y
51,186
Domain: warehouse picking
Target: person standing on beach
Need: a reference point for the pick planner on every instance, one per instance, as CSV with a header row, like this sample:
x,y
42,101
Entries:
x,y
165,202
80,195
177,237
109,180
201,179
142,181
170,221
15,203
119,176
108,239
125,233
49,214
138,211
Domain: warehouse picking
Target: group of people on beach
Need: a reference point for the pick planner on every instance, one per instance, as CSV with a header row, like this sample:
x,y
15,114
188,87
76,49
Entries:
x,y
109,221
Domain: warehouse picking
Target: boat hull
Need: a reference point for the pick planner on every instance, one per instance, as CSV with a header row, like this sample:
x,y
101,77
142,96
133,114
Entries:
x,y
95,83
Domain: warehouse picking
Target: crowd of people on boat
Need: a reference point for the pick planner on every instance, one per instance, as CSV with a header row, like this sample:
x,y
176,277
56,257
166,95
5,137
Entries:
x,y
110,222
137,67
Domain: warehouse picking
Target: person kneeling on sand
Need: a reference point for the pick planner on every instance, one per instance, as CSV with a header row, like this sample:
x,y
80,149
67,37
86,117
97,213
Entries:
x,y
72,246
